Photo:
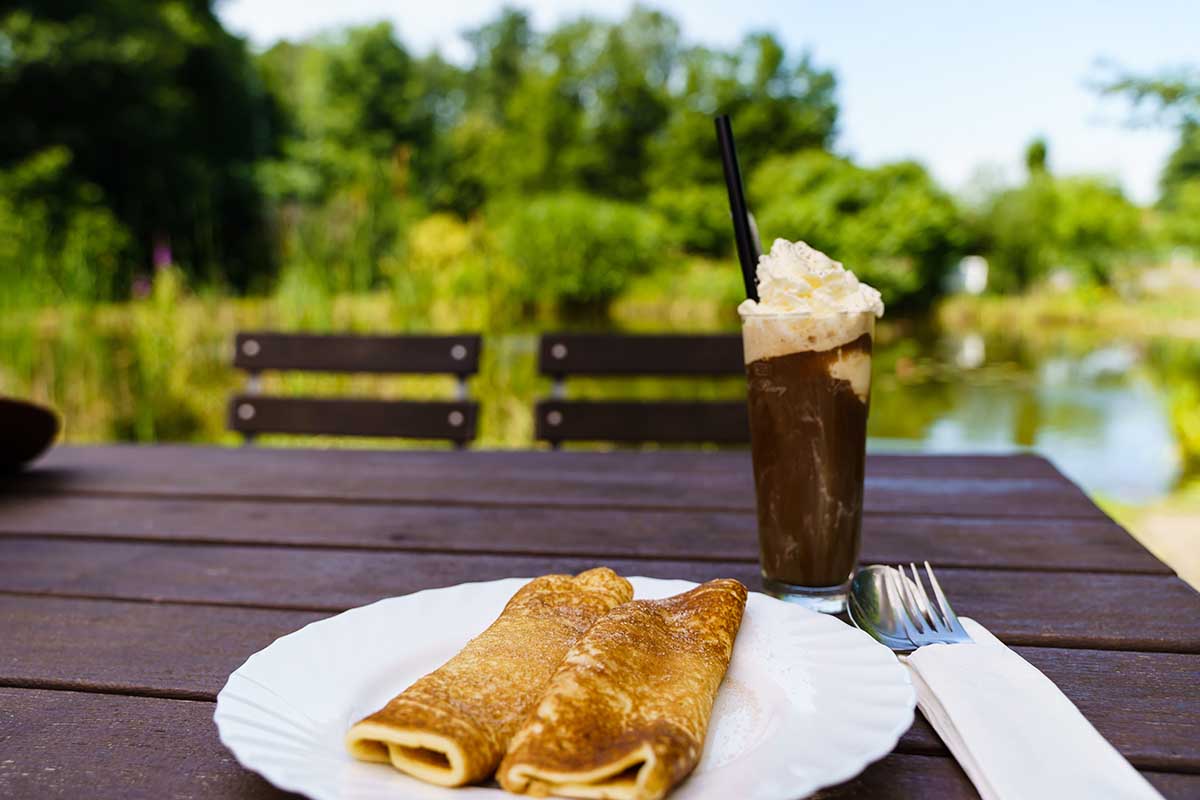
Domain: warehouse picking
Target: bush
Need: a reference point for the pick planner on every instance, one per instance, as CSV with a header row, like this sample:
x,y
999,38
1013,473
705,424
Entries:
x,y
1182,220
576,253
454,267
1081,224
891,225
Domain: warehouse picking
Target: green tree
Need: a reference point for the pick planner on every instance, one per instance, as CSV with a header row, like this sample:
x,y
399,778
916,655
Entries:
x,y
1035,156
577,253
159,108
622,108
1169,98
779,104
1080,223
501,52
892,225
1183,165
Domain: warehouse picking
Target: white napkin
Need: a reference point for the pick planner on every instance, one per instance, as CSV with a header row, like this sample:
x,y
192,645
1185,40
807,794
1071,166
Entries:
x,y
1015,734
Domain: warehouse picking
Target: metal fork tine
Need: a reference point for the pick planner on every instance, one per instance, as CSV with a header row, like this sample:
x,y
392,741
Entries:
x,y
936,618
919,608
912,607
891,583
944,604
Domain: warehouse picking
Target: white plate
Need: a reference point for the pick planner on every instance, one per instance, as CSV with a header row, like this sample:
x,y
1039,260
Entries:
x,y
808,700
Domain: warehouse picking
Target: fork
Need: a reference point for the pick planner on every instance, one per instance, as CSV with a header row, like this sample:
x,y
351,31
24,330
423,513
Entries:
x,y
1016,735
923,621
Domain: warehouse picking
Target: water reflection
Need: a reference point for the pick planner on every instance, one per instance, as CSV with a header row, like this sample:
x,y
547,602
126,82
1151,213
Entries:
x,y
1102,412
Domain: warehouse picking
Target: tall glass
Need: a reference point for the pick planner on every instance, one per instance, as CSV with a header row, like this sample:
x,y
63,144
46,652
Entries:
x,y
809,383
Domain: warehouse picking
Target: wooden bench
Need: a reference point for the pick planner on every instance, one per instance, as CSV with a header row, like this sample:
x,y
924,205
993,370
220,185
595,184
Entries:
x,y
252,413
630,421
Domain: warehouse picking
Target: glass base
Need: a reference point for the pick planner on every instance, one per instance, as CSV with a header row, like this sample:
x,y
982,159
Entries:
x,y
825,599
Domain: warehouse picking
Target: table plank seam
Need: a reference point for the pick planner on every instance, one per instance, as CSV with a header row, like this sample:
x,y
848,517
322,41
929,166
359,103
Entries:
x,y
1013,640
1139,761
531,552
153,601
1013,512
83,687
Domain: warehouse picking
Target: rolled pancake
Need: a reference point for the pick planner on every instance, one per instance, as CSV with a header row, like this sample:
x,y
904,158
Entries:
x,y
453,726
625,715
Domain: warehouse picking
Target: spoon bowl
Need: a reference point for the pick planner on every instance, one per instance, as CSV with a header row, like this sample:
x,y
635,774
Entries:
x,y
871,608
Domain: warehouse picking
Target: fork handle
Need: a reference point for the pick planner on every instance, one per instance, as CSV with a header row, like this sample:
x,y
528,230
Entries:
x,y
1016,735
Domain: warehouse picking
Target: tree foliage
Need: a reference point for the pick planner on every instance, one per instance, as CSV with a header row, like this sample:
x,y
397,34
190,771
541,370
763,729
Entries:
x,y
157,106
1082,224
134,124
892,225
1172,98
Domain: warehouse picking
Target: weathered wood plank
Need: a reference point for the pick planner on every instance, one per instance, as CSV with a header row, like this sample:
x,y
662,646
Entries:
x,y
345,416
562,354
1018,486
256,351
665,421
903,776
140,648
1144,702
51,739
74,744
1069,544
1033,608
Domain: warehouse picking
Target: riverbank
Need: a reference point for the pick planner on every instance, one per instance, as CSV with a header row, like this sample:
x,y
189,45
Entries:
x,y
1089,312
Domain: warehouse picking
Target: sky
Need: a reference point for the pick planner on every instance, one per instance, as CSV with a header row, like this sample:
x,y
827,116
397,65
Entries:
x,y
960,86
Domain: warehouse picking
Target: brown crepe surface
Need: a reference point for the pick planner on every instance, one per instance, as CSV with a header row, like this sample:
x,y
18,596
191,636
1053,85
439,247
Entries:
x,y
625,715
453,726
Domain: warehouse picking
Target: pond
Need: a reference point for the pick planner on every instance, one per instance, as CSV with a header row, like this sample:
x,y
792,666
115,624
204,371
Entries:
x,y
1100,411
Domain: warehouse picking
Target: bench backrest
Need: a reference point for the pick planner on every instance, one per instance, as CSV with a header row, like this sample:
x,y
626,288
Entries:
x,y
668,421
252,413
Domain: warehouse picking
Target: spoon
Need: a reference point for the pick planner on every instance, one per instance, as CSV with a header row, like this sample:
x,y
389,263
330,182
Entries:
x,y
872,609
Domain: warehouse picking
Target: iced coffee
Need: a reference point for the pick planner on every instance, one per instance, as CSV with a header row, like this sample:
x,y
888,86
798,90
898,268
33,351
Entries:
x,y
807,343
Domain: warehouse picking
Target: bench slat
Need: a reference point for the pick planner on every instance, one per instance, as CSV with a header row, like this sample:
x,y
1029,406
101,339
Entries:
x,y
636,421
256,351
427,419
563,354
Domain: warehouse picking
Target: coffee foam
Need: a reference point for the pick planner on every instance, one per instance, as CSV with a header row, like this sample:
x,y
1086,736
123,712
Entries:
x,y
771,335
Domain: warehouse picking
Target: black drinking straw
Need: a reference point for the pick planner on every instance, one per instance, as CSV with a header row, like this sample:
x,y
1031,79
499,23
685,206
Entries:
x,y
747,243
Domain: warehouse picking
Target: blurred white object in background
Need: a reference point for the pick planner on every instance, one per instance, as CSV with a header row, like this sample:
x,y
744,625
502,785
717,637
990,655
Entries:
x,y
969,276
971,352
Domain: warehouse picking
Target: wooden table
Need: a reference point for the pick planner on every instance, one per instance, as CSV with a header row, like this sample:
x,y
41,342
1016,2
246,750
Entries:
x,y
133,580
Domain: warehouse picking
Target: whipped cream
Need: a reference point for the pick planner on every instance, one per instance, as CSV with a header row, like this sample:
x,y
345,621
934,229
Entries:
x,y
796,278
824,306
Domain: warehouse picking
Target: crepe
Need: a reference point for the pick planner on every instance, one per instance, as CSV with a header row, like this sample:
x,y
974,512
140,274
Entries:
x,y
453,726
625,715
